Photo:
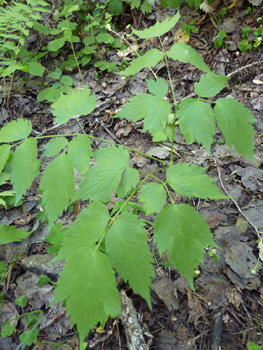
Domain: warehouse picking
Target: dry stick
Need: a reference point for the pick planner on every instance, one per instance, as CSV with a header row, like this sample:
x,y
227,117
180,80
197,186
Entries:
x,y
237,206
243,68
133,331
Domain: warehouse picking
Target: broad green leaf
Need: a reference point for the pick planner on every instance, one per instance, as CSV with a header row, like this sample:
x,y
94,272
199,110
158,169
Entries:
x,y
153,197
15,130
183,233
24,166
153,110
54,146
191,181
149,59
103,178
66,80
197,122
129,253
79,152
58,184
104,38
10,234
185,53
158,87
235,122
56,44
210,85
75,103
87,285
4,154
36,68
88,229
159,28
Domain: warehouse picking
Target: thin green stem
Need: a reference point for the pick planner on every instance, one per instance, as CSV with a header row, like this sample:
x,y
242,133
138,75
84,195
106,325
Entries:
x,y
73,50
174,99
106,141
20,316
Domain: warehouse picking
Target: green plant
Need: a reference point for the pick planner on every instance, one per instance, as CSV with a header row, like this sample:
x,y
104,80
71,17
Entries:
x,y
63,85
219,41
248,10
245,32
187,28
253,346
245,44
102,242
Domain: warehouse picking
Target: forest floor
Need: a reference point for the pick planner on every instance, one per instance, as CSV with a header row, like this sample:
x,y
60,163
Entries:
x,y
227,304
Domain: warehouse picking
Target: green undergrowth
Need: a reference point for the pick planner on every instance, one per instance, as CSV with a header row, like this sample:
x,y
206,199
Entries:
x,y
103,243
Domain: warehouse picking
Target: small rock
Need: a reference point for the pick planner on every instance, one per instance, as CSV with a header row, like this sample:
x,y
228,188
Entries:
x,y
39,263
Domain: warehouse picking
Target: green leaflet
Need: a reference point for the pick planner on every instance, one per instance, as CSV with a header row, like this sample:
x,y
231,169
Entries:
x,y
56,44
15,130
158,87
159,28
210,85
88,287
183,233
235,122
24,166
79,152
58,185
10,234
149,59
155,112
54,146
185,53
4,154
190,181
129,253
103,178
129,181
197,122
153,197
75,103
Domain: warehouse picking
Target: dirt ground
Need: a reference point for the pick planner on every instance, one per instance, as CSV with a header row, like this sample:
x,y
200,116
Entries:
x,y
226,308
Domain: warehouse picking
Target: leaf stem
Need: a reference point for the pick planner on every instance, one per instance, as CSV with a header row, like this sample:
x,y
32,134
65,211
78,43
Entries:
x,y
109,142
174,99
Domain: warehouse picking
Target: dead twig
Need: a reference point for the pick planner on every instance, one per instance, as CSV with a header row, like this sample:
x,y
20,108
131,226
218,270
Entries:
x,y
236,204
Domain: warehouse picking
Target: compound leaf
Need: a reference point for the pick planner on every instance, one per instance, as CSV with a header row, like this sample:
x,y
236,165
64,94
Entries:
x,y
58,184
75,103
153,110
24,166
196,120
87,285
183,233
4,154
104,177
159,28
153,197
158,87
190,181
149,59
79,152
15,130
235,122
129,253
10,234
210,85
185,53
54,146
